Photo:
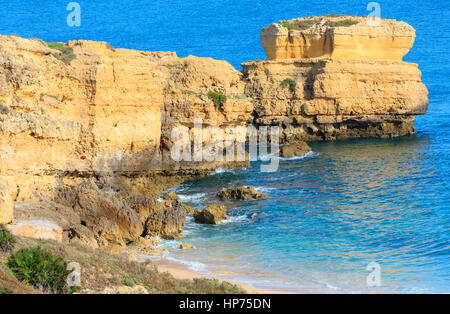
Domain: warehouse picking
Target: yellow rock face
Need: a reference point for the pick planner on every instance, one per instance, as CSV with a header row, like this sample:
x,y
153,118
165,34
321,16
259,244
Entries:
x,y
105,112
335,99
341,37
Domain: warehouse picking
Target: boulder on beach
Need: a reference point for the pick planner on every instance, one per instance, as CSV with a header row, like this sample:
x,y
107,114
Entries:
x,y
240,193
296,149
167,223
212,215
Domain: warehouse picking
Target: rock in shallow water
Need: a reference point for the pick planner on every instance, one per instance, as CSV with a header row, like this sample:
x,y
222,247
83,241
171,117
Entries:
x,y
297,149
240,193
167,223
211,215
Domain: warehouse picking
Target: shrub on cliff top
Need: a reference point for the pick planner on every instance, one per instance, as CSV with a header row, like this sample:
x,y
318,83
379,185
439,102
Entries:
x,y
66,55
218,98
289,82
344,23
6,239
298,25
40,268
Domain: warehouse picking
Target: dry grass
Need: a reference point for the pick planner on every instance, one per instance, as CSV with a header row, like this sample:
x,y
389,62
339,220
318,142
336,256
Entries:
x,y
100,270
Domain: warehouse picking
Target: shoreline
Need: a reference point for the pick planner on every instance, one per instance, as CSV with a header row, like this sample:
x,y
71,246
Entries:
x,y
180,271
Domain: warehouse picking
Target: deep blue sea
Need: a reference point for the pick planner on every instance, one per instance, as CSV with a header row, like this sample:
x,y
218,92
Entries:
x,y
329,214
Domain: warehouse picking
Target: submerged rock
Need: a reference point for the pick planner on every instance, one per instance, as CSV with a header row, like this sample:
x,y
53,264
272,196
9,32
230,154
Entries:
x,y
186,246
296,149
240,193
212,215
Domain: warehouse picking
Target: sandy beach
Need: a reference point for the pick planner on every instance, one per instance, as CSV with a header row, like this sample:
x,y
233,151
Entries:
x,y
180,271
189,274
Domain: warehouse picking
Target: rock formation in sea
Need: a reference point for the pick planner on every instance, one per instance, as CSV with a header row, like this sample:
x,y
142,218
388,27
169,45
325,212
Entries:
x,y
335,77
85,129
240,193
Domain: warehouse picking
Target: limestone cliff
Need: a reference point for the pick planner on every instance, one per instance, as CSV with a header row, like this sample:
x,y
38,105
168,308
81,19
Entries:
x,y
336,77
85,129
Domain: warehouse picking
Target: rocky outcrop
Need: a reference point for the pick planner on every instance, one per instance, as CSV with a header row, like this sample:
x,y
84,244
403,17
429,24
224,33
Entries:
x,y
211,215
107,216
327,82
240,193
167,223
296,149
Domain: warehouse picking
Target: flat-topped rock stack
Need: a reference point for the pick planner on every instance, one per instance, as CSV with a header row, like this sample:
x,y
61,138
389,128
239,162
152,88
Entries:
x,y
338,37
334,77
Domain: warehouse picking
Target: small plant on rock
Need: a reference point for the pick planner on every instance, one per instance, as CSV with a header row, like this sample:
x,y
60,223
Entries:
x,y
128,282
219,99
289,82
40,268
6,239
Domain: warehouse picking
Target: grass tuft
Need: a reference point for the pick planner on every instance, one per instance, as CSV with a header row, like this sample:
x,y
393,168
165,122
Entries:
x,y
298,25
289,82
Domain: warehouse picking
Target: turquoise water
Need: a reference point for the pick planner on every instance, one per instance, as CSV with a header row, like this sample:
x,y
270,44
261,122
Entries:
x,y
329,214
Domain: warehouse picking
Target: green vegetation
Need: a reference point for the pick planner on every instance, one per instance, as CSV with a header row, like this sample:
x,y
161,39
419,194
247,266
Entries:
x,y
289,82
299,25
343,23
6,239
66,55
302,108
110,47
100,269
334,15
40,268
219,99
128,282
